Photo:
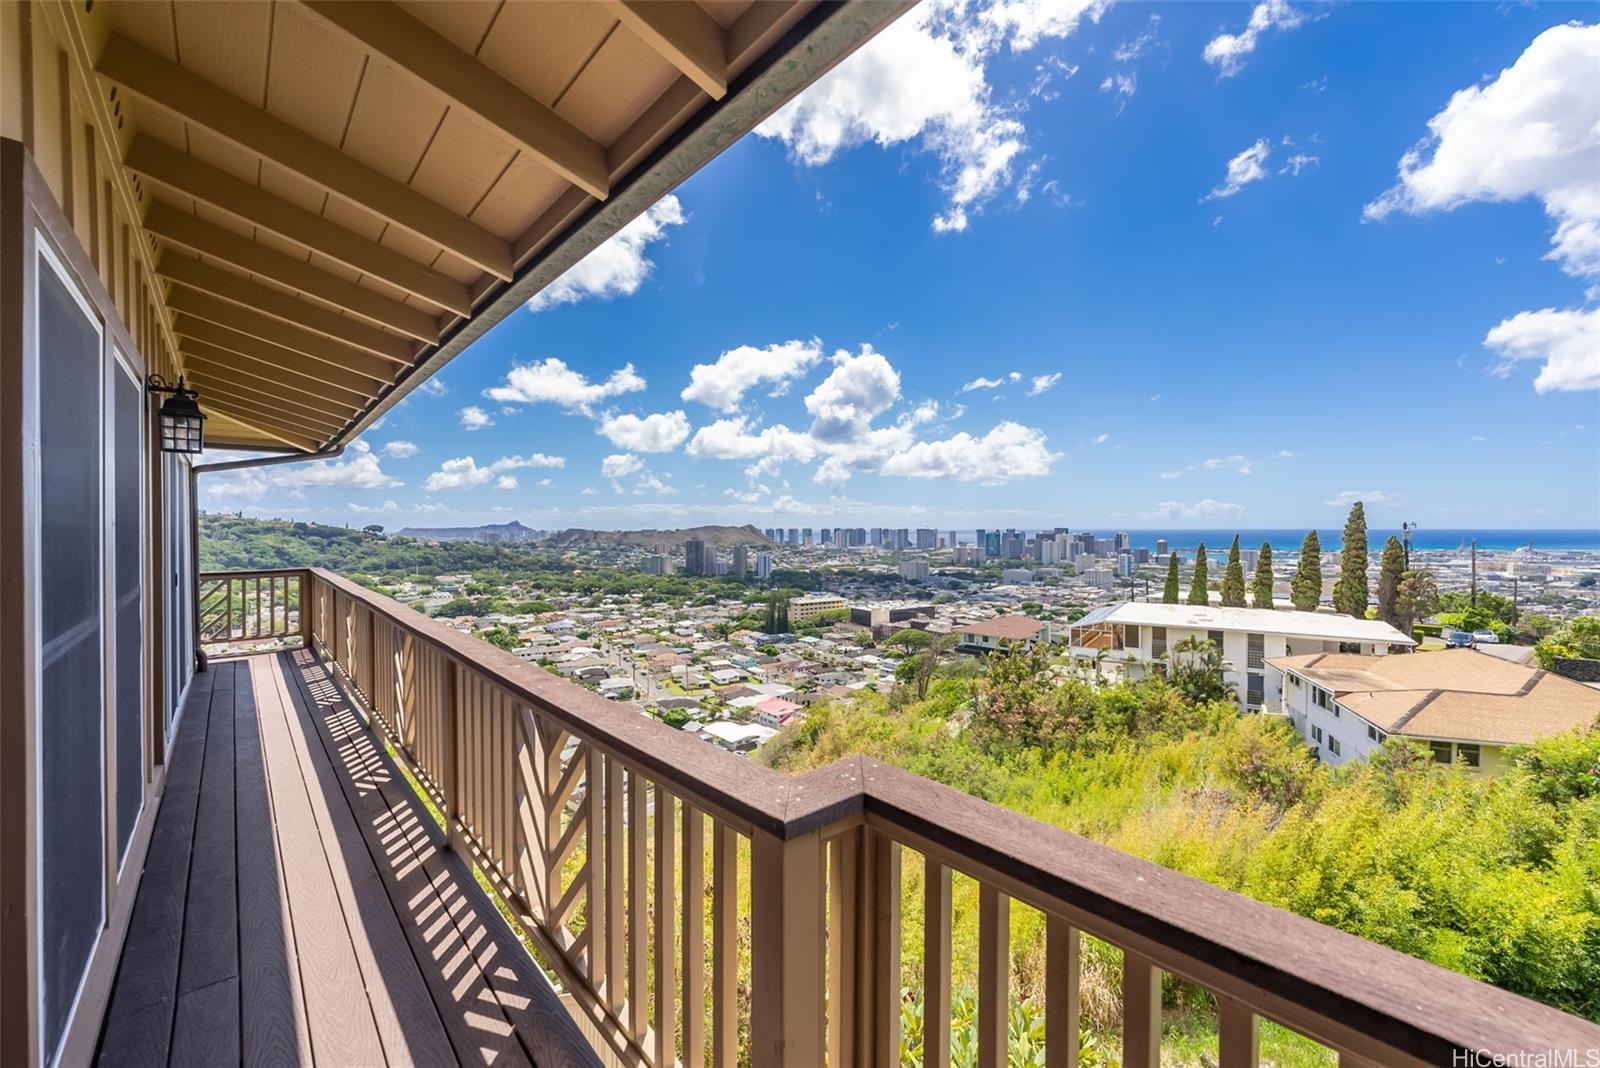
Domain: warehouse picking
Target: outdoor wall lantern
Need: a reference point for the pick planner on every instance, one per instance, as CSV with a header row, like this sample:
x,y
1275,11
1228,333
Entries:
x,y
182,421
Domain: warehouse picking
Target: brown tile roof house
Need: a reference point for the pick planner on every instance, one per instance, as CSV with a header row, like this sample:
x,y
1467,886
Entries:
x,y
1460,694
1005,628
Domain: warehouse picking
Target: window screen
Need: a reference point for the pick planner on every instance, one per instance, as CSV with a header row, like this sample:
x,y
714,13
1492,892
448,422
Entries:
x,y
71,847
127,404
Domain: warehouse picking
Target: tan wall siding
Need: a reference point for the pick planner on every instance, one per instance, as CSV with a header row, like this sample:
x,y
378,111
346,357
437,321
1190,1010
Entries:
x,y
42,106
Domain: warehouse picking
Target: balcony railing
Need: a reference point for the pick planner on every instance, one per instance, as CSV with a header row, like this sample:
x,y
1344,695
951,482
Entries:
x,y
592,822
249,606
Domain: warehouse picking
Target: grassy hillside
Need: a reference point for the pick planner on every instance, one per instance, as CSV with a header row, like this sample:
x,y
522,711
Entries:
x,y
1495,877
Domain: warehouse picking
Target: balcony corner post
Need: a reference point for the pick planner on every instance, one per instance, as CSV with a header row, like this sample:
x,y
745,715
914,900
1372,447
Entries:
x,y
786,949
450,785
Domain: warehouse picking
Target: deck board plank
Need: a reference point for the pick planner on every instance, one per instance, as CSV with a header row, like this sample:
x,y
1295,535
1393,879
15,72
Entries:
x,y
292,865
206,1031
545,1030
273,1025
408,1021
477,1031
138,1026
211,919
338,1013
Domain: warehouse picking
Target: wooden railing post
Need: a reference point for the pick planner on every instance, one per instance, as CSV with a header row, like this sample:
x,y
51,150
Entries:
x,y
1141,1012
450,780
876,1005
306,598
786,939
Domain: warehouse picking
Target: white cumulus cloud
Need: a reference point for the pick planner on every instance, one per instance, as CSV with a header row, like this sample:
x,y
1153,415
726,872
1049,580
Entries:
x,y
551,381
620,265
1207,510
463,472
1043,383
1348,497
1567,341
400,450
1227,51
924,79
358,468
474,418
723,384
658,432
1007,452
620,465
859,389
1533,131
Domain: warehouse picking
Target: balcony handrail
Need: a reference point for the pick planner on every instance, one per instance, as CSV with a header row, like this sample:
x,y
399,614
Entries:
x,y
1372,1004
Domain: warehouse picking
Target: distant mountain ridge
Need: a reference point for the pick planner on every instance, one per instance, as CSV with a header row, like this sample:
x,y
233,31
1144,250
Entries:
x,y
720,536
489,533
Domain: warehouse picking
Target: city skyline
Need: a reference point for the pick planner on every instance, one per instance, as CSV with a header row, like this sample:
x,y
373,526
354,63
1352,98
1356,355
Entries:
x,y
1142,264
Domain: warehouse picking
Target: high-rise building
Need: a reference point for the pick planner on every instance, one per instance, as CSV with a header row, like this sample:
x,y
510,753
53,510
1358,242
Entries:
x,y
794,536
763,565
805,536
914,570
741,562
1121,542
698,558
927,539
1161,546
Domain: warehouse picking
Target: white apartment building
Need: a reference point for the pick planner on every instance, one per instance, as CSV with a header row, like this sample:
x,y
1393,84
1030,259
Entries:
x,y
763,566
802,609
1466,705
1137,636
914,570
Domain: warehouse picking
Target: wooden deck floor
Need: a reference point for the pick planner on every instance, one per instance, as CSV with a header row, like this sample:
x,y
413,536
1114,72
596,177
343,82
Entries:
x,y
298,906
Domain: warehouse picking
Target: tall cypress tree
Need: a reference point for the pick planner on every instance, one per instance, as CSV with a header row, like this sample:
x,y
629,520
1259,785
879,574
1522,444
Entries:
x,y
1350,592
1169,592
1391,570
1233,578
1199,590
1306,589
1262,594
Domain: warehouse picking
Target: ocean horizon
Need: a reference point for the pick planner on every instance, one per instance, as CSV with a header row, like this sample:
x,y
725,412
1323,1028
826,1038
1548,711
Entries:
x,y
1287,539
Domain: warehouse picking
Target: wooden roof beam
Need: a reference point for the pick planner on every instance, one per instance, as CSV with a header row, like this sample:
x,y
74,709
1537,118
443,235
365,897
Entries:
x,y
181,228
385,30
245,320
189,97
185,175
218,391
356,388
298,436
263,375
248,387
238,289
683,34
231,432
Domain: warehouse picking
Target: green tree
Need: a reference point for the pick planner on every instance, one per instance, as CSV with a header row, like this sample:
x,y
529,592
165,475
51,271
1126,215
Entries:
x,y
1169,592
1199,589
1233,578
1261,596
1350,591
1306,589
675,717
500,638
1417,599
1578,638
1195,669
1391,569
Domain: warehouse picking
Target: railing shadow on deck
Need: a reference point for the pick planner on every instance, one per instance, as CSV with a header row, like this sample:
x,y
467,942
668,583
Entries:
x,y
592,822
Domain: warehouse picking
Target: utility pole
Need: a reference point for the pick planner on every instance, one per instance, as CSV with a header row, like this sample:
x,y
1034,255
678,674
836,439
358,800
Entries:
x,y
1515,583
1474,601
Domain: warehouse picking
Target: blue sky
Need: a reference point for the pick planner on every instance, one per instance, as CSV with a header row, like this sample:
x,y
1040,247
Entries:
x,y
1095,265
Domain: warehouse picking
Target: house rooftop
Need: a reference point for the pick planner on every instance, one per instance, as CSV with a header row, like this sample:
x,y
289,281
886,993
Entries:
x,y
1458,694
1329,626
1009,628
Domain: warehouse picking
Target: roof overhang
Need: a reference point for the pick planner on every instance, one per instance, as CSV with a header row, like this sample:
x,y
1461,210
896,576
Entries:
x,y
339,198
